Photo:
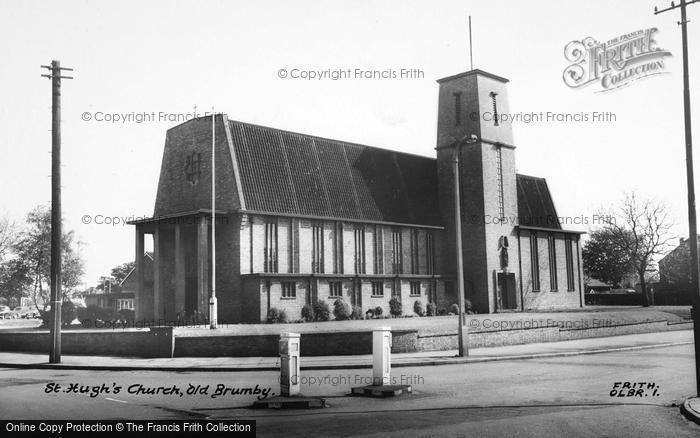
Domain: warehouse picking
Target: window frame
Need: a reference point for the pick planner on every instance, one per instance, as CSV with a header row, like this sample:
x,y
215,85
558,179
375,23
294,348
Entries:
x,y
289,290
415,284
380,285
332,285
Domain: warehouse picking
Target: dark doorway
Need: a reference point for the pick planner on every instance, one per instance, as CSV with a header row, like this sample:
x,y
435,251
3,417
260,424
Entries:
x,y
505,293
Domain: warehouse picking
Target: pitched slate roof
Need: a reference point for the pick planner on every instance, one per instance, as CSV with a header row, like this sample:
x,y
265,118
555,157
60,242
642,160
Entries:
x,y
288,173
535,205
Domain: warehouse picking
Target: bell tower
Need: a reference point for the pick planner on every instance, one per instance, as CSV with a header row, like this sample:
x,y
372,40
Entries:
x,y
472,120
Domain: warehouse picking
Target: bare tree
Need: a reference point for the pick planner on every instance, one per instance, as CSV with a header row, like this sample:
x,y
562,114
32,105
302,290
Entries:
x,y
642,230
8,236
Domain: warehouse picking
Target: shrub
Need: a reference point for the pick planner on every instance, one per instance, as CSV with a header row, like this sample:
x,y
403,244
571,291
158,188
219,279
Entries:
x,y
276,316
322,311
468,308
126,315
356,312
378,311
442,312
431,309
68,313
341,310
454,309
418,308
307,313
395,307
98,317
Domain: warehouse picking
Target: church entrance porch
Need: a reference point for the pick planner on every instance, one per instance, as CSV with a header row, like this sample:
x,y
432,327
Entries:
x,y
181,269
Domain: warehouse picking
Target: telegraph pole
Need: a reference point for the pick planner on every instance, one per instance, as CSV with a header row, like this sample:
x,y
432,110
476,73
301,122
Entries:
x,y
462,344
213,308
692,220
55,76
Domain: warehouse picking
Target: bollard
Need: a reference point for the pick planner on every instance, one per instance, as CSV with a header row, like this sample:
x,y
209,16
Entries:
x,y
381,356
289,364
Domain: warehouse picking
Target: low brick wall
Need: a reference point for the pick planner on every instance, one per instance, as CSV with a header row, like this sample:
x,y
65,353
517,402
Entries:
x,y
312,344
161,342
130,343
495,338
164,342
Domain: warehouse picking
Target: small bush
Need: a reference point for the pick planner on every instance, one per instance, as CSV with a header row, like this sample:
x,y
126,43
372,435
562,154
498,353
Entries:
x,y
341,310
356,312
276,316
395,307
418,308
68,313
454,309
431,309
127,315
307,313
468,308
322,311
378,311
99,317
442,312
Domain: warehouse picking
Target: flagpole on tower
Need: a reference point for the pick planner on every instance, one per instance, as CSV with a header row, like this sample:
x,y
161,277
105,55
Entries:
x,y
213,311
471,58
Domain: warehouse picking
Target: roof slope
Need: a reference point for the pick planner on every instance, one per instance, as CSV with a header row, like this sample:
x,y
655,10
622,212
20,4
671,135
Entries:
x,y
296,174
535,205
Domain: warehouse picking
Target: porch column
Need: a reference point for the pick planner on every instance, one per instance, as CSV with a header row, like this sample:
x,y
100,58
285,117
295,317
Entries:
x,y
202,265
158,303
140,311
179,272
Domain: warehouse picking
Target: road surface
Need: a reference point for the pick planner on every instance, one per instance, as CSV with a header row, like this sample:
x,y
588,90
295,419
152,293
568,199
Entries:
x,y
566,396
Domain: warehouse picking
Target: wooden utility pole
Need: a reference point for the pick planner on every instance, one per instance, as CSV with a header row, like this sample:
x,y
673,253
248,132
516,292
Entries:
x,y
55,76
462,341
692,220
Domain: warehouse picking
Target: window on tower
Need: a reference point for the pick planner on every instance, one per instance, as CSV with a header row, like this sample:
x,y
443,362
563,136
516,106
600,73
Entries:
x,y
458,108
495,107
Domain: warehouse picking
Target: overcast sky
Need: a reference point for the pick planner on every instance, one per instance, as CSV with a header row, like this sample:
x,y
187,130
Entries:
x,y
143,57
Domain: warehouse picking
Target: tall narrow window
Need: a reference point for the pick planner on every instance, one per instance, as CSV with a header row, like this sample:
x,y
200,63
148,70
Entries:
x,y
270,264
458,108
551,246
378,250
359,249
397,249
499,171
568,245
338,248
495,107
414,252
535,262
317,248
430,252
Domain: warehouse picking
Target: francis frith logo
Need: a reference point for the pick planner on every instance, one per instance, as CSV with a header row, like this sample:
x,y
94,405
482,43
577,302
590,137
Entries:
x,y
615,63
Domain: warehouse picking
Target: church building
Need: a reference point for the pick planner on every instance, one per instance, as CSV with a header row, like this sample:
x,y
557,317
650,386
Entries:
x,y
301,218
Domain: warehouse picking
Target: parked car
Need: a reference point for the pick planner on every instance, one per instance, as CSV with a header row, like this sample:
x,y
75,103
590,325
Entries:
x,y
7,313
26,312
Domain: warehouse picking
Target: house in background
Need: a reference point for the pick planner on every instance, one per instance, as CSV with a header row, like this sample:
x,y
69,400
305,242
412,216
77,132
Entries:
x,y
302,218
124,296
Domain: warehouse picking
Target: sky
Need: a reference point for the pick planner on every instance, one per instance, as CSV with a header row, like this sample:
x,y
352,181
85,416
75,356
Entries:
x,y
135,57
